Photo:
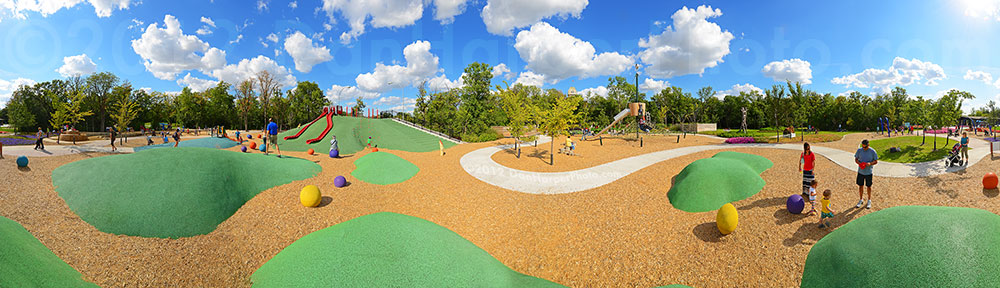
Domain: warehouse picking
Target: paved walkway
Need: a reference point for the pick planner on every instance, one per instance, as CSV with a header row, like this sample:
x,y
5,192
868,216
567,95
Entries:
x,y
51,149
479,164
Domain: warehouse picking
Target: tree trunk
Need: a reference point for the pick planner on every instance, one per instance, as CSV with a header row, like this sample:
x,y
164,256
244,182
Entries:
x,y
552,148
935,142
924,140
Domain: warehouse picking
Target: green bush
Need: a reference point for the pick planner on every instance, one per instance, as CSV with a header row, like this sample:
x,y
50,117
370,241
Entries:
x,y
485,136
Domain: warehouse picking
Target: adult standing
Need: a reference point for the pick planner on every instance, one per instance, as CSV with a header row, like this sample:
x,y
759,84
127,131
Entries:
x,y
39,144
177,137
112,135
965,148
272,134
865,157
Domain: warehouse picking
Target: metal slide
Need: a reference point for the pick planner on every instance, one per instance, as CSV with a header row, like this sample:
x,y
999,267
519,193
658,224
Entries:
x,y
619,117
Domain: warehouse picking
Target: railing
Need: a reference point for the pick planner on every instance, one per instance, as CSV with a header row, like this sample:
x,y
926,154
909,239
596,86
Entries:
x,y
435,133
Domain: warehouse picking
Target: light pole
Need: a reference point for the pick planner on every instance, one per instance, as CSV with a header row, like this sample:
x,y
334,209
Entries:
x,y
637,99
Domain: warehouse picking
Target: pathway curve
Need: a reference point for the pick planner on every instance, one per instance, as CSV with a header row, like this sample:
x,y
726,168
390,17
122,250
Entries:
x,y
479,164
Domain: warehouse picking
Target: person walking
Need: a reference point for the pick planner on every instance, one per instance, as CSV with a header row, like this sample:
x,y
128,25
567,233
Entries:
x,y
39,144
965,148
865,157
112,136
177,137
272,134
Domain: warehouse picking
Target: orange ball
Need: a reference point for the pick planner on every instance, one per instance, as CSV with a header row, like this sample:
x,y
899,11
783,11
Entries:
x,y
253,145
310,151
374,149
990,181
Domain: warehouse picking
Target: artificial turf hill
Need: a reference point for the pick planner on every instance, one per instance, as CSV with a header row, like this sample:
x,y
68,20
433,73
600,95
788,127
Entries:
x,y
353,132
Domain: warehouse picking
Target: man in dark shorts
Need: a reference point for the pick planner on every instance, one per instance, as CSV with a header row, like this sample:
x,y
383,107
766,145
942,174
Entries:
x,y
272,135
865,157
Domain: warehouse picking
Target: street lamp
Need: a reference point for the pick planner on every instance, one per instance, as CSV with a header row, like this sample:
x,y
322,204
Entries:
x,y
637,99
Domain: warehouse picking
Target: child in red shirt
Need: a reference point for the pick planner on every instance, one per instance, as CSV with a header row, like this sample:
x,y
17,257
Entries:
x,y
807,162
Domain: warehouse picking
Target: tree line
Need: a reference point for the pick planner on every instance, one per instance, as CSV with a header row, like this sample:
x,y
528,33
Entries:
x,y
102,100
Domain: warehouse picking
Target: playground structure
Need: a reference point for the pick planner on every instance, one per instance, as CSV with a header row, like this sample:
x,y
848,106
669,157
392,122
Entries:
x,y
633,110
326,111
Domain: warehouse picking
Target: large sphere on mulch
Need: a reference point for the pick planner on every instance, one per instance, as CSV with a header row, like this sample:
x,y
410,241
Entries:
x,y
249,136
727,219
795,204
22,161
253,145
310,196
263,147
374,149
990,181
334,153
244,149
340,181
310,151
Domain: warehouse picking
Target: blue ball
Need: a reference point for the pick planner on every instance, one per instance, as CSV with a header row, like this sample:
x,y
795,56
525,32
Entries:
x,y
334,153
249,136
340,181
262,147
22,161
244,149
795,204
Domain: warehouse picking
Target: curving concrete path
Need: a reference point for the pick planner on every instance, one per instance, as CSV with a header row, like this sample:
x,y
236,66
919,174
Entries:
x,y
479,164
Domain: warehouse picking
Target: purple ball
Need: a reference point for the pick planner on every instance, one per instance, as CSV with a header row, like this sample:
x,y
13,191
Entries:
x,y
795,204
334,153
340,181
244,149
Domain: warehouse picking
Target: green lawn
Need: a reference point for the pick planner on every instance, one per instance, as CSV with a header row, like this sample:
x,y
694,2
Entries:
x,y
912,151
353,132
388,250
171,192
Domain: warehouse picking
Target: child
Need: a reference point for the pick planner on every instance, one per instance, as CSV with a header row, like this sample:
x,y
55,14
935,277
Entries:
x,y
827,211
149,139
807,161
369,141
812,197
965,148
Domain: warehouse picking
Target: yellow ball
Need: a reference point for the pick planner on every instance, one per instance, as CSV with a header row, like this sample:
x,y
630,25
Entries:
x,y
727,219
310,196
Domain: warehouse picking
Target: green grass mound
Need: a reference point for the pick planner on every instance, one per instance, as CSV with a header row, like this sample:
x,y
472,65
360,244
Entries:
x,y
909,246
171,193
207,142
388,250
353,132
383,168
912,151
707,184
25,262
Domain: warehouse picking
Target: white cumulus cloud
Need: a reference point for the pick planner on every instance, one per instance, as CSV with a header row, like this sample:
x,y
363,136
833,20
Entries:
x,y
196,84
78,65
654,86
396,103
501,70
689,46
420,64
347,94
903,72
503,16
983,76
795,70
305,53
17,9
167,52
377,13
446,10
736,89
591,92
248,68
7,88
529,78
441,83
558,55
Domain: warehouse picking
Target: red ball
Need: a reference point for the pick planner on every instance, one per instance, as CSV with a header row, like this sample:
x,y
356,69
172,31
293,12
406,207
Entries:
x,y
310,151
990,181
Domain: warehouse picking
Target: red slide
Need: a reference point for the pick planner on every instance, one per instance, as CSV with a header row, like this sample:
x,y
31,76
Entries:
x,y
325,112
329,125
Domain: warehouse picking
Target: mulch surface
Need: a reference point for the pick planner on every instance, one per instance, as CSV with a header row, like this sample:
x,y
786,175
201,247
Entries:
x,y
624,234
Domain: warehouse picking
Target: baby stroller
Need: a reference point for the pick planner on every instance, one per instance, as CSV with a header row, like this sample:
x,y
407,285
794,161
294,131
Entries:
x,y
954,157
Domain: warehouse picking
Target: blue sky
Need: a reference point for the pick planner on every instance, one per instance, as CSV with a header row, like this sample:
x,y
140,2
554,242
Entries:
x,y
837,46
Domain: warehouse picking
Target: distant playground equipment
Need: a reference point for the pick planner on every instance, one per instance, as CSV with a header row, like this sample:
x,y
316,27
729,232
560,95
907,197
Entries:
x,y
990,181
795,204
727,219
22,161
310,196
339,182
633,110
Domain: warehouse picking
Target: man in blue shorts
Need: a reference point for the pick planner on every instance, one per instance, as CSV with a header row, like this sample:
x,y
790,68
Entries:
x,y
865,157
